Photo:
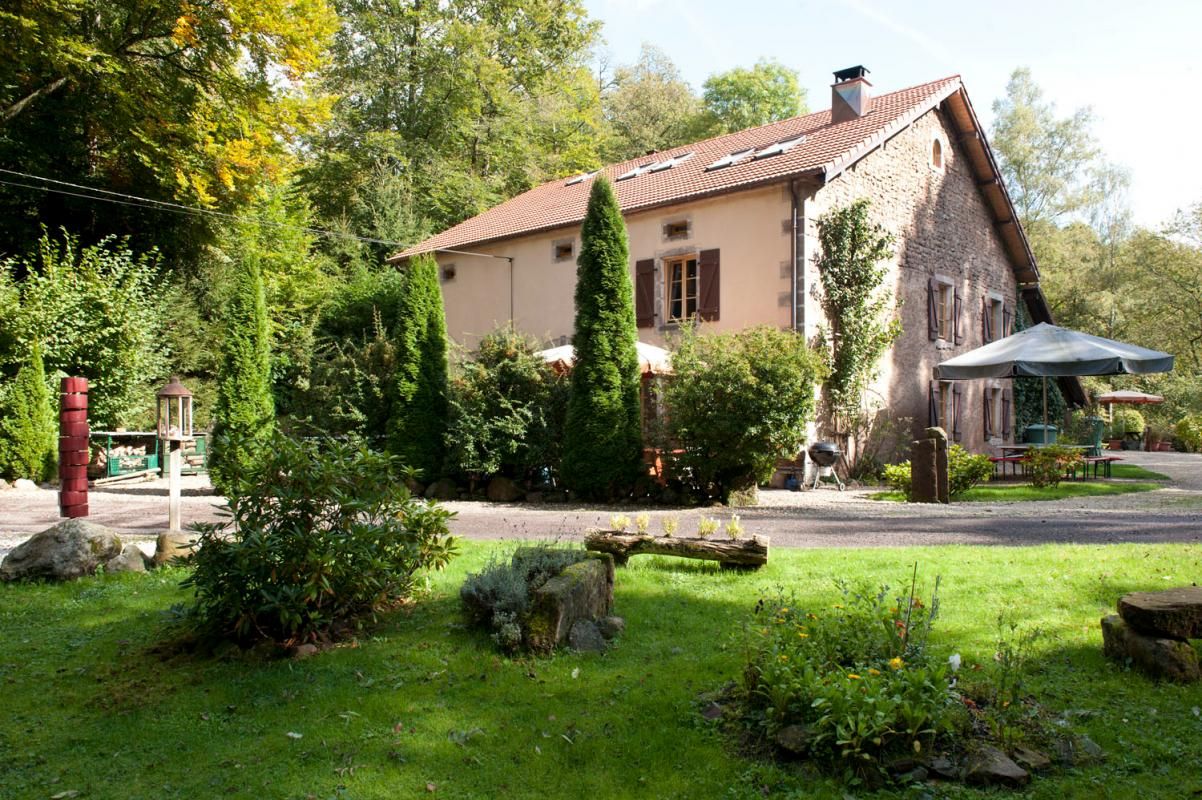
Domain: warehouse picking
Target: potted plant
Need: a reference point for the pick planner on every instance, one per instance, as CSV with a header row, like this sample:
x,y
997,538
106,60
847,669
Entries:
x,y
1128,425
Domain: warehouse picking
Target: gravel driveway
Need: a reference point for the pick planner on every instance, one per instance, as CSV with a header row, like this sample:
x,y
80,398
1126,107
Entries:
x,y
823,518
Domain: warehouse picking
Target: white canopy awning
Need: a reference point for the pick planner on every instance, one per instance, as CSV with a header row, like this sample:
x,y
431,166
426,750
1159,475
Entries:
x,y
652,359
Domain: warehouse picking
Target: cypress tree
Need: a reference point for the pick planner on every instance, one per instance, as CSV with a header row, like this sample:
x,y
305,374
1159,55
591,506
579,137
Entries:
x,y
245,410
419,411
28,433
602,448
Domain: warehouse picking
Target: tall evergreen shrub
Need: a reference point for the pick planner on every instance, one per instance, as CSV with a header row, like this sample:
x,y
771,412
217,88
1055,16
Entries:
x,y
245,411
603,439
419,414
27,426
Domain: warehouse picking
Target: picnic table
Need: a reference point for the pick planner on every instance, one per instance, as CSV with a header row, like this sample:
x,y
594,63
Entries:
x,y
1015,455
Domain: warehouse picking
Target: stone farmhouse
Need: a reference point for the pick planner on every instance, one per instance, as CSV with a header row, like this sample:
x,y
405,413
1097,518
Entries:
x,y
725,230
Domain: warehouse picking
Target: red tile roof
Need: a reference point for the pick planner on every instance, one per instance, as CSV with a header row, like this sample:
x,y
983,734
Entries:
x,y
826,149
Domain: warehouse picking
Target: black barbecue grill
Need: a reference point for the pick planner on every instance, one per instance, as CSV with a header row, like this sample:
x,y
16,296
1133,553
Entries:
x,y
825,455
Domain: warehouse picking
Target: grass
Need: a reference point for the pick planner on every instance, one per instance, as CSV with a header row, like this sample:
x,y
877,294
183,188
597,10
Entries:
x,y
1001,492
421,706
1136,473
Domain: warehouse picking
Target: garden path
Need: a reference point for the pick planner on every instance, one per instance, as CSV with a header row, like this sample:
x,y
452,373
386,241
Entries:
x,y
822,518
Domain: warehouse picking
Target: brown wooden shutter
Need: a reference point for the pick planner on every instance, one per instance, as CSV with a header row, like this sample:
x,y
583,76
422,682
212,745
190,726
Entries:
x,y
644,292
988,408
1007,320
957,404
1007,405
932,309
957,328
709,291
986,320
933,409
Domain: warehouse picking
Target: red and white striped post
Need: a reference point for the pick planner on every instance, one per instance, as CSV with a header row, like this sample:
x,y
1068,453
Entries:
x,y
73,453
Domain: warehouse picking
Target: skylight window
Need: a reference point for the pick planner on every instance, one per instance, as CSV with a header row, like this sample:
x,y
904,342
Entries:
x,y
580,178
783,146
660,166
639,170
733,158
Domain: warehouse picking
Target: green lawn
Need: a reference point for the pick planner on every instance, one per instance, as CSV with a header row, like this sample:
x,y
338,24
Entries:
x,y
1137,473
1008,492
421,700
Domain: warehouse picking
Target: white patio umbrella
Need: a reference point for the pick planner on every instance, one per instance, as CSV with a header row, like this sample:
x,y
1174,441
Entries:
x,y
1047,351
652,360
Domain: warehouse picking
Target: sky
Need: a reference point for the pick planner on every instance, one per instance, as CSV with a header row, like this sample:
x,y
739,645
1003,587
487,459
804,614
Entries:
x,y
1137,65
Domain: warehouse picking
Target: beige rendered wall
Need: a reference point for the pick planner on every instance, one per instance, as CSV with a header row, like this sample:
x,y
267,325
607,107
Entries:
x,y
943,228
748,228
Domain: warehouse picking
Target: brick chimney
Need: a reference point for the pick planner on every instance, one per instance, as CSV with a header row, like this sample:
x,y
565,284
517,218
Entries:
x,y
851,94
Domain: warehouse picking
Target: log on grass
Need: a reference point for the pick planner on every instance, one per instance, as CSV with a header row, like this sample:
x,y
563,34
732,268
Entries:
x,y
750,552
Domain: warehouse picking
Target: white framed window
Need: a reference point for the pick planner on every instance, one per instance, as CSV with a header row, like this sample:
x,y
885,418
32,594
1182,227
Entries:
x,y
681,287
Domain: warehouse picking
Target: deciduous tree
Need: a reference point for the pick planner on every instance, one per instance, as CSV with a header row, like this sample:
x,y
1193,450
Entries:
x,y
744,98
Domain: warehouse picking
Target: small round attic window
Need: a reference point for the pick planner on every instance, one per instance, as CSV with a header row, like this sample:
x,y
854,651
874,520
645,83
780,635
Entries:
x,y
937,154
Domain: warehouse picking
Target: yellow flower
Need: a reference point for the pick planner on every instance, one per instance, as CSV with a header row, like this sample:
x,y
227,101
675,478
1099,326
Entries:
x,y
896,663
803,636
874,672
783,611
853,676
784,659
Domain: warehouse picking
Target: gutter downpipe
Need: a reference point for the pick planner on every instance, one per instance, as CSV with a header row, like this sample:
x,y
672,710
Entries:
x,y
796,256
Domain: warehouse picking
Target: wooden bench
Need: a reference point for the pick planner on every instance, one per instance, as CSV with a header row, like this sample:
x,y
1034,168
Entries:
x,y
1015,462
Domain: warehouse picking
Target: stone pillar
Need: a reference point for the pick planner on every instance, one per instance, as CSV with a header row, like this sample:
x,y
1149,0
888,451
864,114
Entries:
x,y
928,468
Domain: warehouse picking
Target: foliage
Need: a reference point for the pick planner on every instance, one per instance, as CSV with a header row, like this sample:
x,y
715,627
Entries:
x,y
1189,432
745,98
1012,492
245,411
602,441
499,596
418,424
1006,688
461,104
648,108
507,409
28,429
1125,421
96,312
320,535
738,403
198,102
351,387
734,528
849,267
857,676
965,470
642,522
706,527
1028,392
670,525
1044,160
1048,465
619,522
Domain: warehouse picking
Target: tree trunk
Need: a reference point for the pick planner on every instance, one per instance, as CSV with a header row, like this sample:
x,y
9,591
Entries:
x,y
750,552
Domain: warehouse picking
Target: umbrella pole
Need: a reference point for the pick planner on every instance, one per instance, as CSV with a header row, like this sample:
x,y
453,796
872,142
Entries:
x,y
1045,409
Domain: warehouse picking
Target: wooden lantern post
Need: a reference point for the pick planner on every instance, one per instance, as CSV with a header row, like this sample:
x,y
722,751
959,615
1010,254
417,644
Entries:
x,y
174,429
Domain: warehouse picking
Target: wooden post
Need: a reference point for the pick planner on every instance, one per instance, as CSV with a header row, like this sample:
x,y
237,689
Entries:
x,y
73,452
174,465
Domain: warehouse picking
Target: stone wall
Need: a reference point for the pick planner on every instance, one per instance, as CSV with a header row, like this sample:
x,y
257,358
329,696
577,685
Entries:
x,y
942,228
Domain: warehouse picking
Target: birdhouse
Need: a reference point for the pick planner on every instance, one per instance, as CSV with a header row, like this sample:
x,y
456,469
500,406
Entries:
x,y
175,412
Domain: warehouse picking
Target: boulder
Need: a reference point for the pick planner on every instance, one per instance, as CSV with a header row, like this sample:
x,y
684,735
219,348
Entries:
x,y
1176,613
944,767
71,549
172,544
611,627
585,637
4,485
991,767
25,485
1157,656
504,490
130,559
442,489
583,591
1031,760
1078,750
793,739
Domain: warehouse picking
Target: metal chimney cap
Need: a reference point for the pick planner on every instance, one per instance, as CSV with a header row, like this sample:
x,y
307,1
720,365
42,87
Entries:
x,y
851,73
